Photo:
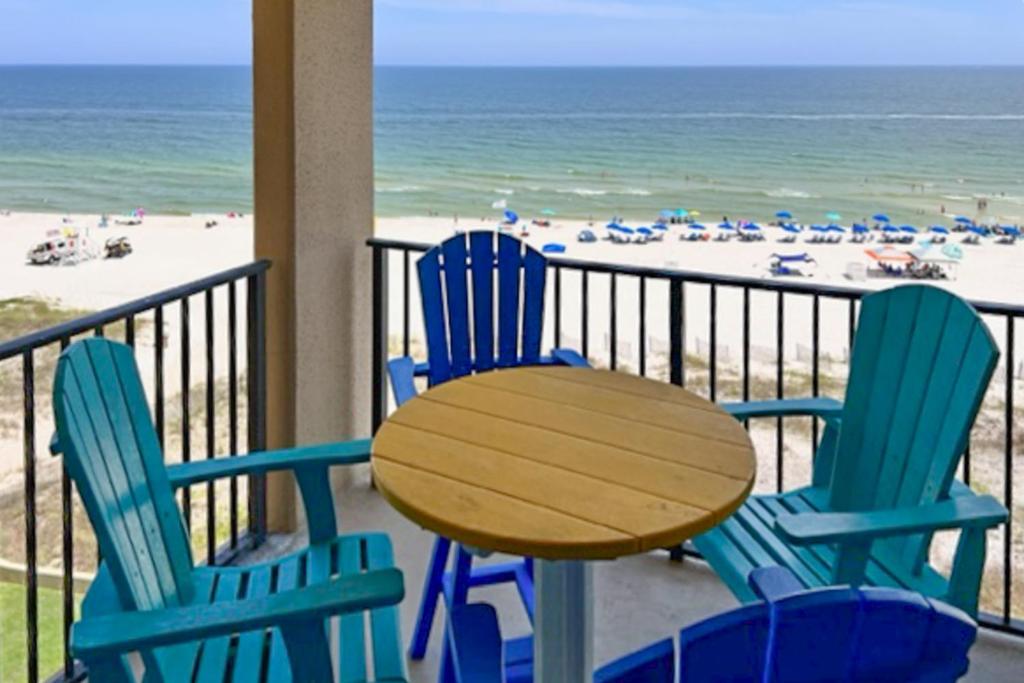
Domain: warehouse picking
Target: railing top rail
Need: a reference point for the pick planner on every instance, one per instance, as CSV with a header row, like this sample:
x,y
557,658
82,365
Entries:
x,y
852,293
50,335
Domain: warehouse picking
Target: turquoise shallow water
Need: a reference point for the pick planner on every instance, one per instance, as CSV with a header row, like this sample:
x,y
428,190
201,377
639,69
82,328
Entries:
x,y
737,141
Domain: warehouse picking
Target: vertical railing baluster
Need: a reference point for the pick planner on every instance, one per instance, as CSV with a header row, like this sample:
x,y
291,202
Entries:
x,y
186,406
677,373
558,306
99,331
405,303
67,558
31,577
129,331
380,340
643,326
713,334
1008,480
613,323
779,390
256,368
211,445
158,371
815,365
233,405
851,326
585,315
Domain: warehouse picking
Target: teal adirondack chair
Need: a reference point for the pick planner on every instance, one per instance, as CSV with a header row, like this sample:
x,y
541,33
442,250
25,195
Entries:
x,y
241,624
883,478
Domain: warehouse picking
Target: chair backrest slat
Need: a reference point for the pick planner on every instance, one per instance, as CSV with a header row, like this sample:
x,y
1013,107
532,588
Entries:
x,y
112,453
432,296
535,269
481,245
457,298
509,268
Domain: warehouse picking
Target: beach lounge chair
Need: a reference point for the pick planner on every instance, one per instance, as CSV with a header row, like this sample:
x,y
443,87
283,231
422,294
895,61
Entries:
x,y
883,484
834,634
460,341
262,622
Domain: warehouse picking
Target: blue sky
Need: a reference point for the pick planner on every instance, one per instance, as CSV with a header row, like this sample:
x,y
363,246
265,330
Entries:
x,y
541,32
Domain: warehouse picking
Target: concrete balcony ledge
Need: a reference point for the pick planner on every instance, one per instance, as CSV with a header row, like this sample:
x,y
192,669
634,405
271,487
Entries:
x,y
638,600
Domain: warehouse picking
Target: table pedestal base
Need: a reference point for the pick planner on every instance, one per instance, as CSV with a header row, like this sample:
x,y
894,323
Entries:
x,y
563,622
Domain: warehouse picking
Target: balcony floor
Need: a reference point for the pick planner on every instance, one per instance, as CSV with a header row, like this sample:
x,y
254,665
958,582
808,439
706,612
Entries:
x,y
639,599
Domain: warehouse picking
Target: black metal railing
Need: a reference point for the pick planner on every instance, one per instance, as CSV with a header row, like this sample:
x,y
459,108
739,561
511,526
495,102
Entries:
x,y
224,396
763,308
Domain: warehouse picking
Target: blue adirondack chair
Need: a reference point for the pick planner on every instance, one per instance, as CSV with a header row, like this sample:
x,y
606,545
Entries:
x,y
461,333
826,635
883,478
258,623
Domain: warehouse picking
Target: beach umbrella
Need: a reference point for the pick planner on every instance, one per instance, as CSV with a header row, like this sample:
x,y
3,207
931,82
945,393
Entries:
x,y
784,214
977,231
860,228
725,225
697,226
789,227
666,213
836,228
553,248
890,228
682,213
964,220
660,226
620,228
612,226
881,218
752,226
694,213
511,217
645,231
818,228
547,212
940,229
833,216
908,228
1011,230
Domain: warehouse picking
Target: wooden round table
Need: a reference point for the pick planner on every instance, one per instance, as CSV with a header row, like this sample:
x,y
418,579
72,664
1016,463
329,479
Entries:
x,y
564,465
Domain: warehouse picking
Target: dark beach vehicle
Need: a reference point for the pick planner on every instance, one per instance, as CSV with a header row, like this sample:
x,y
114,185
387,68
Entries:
x,y
117,247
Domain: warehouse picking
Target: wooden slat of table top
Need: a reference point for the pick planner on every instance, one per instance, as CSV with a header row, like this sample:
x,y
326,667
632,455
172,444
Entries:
x,y
561,464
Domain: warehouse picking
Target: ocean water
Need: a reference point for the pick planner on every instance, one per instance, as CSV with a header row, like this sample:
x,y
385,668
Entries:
x,y
745,142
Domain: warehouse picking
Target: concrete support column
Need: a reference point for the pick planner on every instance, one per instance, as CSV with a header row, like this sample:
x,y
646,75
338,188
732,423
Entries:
x,y
313,116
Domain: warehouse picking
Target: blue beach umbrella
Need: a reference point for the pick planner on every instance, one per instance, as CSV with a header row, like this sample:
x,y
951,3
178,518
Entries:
x,y
860,228
964,220
621,228
836,228
725,225
940,229
977,231
612,226
697,226
881,218
645,231
553,248
1011,230
666,213
511,217
909,229
752,226
819,228
789,227
784,214
660,226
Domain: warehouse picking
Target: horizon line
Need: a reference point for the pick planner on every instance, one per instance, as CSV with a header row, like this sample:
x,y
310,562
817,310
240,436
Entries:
x,y
541,66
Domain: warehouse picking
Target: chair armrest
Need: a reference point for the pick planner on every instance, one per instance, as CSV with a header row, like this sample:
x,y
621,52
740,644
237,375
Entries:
x,y
128,632
402,373
570,358
811,528
825,408
323,455
475,641
772,583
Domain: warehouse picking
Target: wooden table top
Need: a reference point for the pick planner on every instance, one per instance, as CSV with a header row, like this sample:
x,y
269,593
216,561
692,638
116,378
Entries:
x,y
563,463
